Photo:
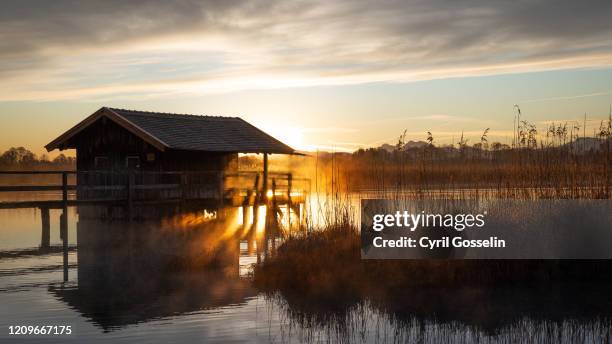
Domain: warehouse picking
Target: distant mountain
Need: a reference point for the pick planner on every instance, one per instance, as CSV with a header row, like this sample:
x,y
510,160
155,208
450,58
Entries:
x,y
585,144
387,147
580,145
408,145
416,144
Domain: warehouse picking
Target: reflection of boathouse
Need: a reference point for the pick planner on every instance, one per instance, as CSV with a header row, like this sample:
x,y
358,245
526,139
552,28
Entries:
x,y
133,272
153,156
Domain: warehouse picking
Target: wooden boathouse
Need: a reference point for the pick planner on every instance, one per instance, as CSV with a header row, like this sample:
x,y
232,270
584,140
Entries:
x,y
158,149
117,139
132,163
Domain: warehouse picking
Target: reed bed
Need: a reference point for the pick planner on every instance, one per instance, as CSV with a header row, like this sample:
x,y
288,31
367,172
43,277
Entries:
x,y
546,172
322,278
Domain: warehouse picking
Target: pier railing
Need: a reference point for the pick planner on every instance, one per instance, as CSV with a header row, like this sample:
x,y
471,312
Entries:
x,y
239,188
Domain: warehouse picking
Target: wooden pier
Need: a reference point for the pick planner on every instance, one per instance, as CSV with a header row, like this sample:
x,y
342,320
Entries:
x,y
105,188
247,190
237,189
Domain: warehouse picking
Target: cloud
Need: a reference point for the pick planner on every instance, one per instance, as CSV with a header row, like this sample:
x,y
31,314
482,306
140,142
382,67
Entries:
x,y
75,49
329,130
589,95
437,118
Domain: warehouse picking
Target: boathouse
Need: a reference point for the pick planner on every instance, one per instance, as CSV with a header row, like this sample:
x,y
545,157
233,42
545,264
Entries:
x,y
161,149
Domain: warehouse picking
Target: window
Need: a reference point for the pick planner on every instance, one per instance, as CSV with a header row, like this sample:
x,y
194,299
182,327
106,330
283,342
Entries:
x,y
132,162
101,163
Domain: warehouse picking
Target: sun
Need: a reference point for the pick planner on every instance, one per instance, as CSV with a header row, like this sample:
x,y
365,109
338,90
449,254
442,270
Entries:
x,y
291,136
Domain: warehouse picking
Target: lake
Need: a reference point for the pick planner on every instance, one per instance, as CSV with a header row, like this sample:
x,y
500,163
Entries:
x,y
187,277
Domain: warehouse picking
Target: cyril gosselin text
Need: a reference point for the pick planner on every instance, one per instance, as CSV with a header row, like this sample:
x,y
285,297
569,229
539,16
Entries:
x,y
407,222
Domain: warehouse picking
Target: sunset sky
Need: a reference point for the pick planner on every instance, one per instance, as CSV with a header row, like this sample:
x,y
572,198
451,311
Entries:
x,y
331,75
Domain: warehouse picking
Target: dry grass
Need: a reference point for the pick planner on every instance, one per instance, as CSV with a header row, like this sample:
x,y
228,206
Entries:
x,y
322,275
321,282
551,172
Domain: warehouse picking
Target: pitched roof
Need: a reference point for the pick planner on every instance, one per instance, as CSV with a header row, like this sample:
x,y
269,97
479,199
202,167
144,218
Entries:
x,y
184,132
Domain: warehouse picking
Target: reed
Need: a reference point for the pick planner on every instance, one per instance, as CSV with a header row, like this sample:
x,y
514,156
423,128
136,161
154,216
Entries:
x,y
558,170
322,273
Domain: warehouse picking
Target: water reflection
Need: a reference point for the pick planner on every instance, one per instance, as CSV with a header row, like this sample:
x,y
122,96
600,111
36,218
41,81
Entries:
x,y
172,263
567,313
181,274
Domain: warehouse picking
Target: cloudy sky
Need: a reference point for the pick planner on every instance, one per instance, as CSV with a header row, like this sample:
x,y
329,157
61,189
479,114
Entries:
x,y
317,74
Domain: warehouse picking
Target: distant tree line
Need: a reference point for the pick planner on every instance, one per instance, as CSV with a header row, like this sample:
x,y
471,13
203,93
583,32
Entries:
x,y
20,158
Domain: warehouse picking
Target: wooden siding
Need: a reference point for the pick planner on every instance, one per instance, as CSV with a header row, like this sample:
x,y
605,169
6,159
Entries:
x,y
105,138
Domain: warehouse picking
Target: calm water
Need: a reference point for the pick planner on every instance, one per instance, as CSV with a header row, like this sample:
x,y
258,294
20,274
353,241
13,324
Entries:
x,y
187,278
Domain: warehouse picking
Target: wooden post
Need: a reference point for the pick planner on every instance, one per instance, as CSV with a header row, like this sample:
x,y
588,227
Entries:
x,y
64,235
65,188
255,212
252,236
46,228
289,182
266,235
258,245
265,176
245,216
256,189
272,217
274,209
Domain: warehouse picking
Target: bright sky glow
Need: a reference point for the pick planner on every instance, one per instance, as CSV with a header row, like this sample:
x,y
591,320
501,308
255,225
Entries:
x,y
332,75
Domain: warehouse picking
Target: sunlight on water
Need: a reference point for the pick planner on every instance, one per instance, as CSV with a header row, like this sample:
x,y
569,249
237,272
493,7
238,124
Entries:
x,y
261,219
